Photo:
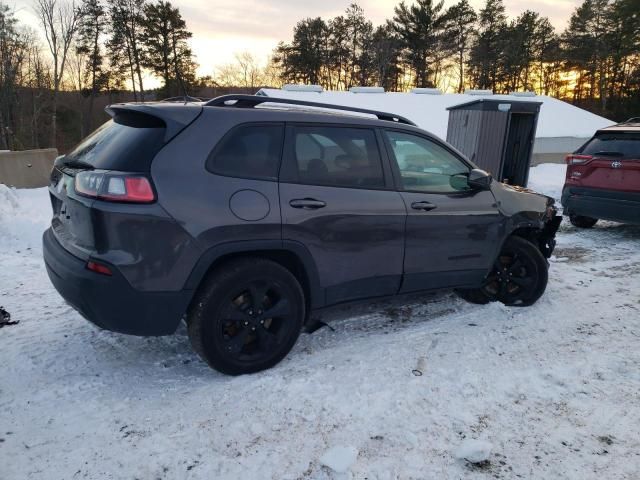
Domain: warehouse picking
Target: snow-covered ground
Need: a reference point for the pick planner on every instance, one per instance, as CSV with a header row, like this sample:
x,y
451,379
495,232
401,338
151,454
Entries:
x,y
551,391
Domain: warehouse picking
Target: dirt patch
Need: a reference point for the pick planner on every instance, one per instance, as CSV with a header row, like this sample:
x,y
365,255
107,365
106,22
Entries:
x,y
571,254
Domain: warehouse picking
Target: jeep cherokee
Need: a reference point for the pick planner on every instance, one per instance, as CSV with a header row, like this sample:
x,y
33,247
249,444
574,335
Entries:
x,y
244,214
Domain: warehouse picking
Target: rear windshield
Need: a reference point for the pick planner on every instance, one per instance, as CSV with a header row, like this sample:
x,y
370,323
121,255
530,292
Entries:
x,y
614,144
128,142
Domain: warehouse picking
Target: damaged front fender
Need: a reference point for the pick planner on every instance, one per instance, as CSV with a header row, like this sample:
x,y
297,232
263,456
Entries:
x,y
530,215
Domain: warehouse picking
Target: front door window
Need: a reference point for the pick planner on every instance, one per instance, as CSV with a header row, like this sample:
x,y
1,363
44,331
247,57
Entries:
x,y
426,166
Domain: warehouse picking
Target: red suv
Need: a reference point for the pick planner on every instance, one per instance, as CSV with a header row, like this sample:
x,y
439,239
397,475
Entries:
x,y
603,177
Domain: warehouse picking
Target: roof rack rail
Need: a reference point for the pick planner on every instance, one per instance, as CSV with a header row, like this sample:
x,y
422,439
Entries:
x,y
632,120
184,98
250,101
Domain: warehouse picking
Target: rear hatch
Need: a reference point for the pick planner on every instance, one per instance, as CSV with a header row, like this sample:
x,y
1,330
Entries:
x,y
609,161
118,155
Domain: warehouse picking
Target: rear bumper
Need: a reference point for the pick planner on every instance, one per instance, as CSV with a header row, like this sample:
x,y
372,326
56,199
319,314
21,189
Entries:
x,y
601,204
109,301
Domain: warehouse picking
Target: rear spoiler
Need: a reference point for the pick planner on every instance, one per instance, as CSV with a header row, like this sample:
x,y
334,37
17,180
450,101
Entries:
x,y
176,116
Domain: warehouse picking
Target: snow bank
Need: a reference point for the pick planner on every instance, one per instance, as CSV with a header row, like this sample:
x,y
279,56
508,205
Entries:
x,y
24,215
548,178
557,118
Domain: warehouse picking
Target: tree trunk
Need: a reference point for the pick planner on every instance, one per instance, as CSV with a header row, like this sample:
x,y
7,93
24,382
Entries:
x,y
54,114
461,70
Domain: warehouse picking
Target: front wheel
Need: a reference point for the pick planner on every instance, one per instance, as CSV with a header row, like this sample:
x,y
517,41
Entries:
x,y
518,278
247,316
581,221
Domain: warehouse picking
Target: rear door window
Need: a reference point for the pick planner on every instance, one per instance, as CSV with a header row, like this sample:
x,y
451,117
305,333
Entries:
x,y
336,156
249,151
614,144
128,142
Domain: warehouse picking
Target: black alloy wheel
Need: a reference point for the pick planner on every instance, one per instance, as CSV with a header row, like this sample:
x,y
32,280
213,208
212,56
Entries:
x,y
255,321
518,277
247,316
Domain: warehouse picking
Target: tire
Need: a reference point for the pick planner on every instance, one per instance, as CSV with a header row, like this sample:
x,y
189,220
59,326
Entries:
x,y
582,222
519,276
247,316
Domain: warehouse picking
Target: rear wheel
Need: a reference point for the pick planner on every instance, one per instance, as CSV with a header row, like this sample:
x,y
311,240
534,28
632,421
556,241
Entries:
x,y
247,316
518,278
582,221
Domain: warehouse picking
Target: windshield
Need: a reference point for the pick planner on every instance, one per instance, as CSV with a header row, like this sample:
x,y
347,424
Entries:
x,y
615,144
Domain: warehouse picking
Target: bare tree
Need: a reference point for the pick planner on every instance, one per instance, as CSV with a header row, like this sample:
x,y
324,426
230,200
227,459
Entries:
x,y
250,72
78,81
245,72
60,24
37,79
272,76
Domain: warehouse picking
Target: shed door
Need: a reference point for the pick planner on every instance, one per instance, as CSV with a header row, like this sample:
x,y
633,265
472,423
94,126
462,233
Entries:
x,y
518,149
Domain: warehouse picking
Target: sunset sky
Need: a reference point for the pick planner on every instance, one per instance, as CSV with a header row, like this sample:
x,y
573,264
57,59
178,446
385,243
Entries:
x,y
223,27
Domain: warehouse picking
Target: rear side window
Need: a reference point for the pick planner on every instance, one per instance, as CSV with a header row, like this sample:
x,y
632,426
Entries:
x,y
615,144
337,156
249,151
128,142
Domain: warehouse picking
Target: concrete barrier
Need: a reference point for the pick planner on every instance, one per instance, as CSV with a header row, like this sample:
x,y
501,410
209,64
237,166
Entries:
x,y
27,168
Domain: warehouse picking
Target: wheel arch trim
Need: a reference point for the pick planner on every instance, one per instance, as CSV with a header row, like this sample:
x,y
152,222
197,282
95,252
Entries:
x,y
214,254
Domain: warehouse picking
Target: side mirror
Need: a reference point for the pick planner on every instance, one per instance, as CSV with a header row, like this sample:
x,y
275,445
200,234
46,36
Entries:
x,y
479,179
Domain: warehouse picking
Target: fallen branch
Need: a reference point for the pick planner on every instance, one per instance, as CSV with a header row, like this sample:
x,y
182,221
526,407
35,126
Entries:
x,y
5,318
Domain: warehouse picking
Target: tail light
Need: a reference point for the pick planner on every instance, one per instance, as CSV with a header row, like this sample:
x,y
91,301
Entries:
x,y
114,186
573,159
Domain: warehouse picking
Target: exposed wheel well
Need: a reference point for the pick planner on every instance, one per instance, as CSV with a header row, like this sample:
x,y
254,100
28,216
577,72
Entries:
x,y
538,237
528,233
285,258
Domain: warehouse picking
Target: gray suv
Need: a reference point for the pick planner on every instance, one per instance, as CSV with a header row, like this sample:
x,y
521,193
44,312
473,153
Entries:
x,y
245,214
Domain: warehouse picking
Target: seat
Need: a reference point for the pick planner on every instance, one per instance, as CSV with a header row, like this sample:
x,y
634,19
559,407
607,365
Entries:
x,y
317,170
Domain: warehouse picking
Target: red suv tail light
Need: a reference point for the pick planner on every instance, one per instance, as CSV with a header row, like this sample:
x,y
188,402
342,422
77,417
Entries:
x,y
114,186
573,159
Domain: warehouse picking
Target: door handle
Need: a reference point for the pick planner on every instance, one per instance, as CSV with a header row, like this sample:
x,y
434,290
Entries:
x,y
307,203
425,206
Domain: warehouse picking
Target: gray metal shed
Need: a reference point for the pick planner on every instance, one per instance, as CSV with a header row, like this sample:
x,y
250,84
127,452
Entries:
x,y
497,135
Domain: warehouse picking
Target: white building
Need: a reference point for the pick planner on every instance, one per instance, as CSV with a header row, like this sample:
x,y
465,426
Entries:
x,y
562,127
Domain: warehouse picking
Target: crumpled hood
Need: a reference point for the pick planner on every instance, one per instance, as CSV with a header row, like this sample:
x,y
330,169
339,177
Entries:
x,y
512,199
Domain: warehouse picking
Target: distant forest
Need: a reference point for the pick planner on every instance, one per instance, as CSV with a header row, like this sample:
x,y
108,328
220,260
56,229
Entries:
x,y
594,62
56,81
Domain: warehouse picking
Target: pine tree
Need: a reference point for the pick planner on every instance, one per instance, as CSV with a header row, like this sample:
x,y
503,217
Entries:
x,y
305,59
421,28
11,58
167,54
487,53
461,21
359,31
386,50
93,23
126,52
